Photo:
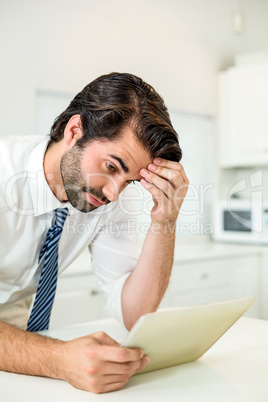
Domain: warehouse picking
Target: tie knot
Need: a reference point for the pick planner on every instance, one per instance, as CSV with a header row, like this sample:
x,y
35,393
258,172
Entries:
x,y
61,215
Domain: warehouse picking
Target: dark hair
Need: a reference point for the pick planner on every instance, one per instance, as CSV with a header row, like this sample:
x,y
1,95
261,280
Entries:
x,y
114,101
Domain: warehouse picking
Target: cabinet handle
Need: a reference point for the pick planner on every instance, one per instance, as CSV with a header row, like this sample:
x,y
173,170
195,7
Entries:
x,y
94,292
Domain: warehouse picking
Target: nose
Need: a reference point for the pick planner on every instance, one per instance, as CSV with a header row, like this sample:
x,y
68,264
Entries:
x,y
112,190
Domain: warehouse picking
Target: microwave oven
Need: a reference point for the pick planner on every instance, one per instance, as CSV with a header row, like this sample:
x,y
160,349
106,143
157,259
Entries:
x,y
241,221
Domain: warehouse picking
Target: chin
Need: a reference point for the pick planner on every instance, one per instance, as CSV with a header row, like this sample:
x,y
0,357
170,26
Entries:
x,y
85,208
79,203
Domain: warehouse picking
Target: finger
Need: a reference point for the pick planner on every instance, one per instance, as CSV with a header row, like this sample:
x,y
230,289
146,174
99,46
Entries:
x,y
159,197
173,176
109,379
109,387
171,165
162,184
120,354
104,339
125,369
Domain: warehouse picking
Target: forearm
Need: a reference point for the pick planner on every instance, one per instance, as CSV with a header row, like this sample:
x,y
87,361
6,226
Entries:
x,y
92,363
143,290
28,353
146,285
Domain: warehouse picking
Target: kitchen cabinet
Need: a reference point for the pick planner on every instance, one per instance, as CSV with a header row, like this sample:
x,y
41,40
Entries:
x,y
214,280
78,298
243,118
264,284
201,274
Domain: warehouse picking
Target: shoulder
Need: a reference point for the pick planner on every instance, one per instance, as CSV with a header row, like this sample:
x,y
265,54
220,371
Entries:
x,y
15,152
14,156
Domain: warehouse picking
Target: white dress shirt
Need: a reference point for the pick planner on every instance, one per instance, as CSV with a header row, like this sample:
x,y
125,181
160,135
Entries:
x,y
27,210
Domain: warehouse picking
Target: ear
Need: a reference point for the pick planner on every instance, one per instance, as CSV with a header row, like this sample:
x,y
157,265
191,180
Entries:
x,y
73,131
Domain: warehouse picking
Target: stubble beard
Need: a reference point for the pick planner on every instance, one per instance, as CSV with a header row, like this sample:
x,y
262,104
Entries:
x,y
71,173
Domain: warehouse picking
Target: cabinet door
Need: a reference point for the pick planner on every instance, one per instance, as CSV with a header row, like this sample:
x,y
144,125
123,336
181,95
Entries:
x,y
244,104
77,300
199,282
199,275
264,284
244,279
214,280
249,117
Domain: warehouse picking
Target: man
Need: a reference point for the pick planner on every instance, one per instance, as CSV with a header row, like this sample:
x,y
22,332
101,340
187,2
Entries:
x,y
115,131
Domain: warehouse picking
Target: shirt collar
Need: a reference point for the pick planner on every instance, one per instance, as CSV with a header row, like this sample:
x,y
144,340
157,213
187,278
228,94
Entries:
x,y
44,200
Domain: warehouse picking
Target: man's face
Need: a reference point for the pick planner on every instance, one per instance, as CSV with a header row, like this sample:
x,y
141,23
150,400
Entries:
x,y
95,175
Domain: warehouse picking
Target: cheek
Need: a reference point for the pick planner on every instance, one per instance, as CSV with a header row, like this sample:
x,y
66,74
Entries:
x,y
95,180
91,174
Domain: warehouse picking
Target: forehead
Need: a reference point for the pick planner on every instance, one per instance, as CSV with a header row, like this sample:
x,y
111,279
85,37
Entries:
x,y
127,149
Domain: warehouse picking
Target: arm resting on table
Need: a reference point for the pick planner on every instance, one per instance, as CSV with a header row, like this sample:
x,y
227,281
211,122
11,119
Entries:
x,y
93,363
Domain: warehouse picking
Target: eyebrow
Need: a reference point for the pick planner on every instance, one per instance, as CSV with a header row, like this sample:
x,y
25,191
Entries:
x,y
122,163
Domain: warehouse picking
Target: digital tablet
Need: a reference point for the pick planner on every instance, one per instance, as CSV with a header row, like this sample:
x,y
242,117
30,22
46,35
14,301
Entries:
x,y
181,335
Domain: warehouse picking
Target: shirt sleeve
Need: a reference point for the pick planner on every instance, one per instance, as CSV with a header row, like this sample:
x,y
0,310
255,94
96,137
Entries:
x,y
114,252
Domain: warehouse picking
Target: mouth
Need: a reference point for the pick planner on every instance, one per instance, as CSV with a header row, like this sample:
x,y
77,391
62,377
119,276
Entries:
x,y
94,201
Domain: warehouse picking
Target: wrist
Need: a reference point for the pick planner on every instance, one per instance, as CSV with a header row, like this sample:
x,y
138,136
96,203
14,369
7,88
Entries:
x,y
58,359
167,227
50,356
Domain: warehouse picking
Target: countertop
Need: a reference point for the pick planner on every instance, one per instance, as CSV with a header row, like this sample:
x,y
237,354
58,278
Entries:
x,y
201,248
196,248
235,369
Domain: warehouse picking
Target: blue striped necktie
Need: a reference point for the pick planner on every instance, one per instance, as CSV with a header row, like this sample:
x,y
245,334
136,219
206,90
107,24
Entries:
x,y
40,315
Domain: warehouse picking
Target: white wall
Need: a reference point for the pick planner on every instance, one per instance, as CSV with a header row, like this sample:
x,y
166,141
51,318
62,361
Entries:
x,y
176,45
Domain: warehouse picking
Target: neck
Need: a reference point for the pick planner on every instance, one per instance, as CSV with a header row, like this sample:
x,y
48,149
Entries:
x,y
52,172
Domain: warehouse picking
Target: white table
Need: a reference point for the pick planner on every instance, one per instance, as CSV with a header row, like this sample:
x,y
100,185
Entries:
x,y
235,369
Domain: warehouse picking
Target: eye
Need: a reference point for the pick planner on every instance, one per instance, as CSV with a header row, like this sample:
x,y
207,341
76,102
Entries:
x,y
110,167
132,181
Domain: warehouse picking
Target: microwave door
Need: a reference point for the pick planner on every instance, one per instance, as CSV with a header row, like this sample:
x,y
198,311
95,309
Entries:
x,y
237,221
